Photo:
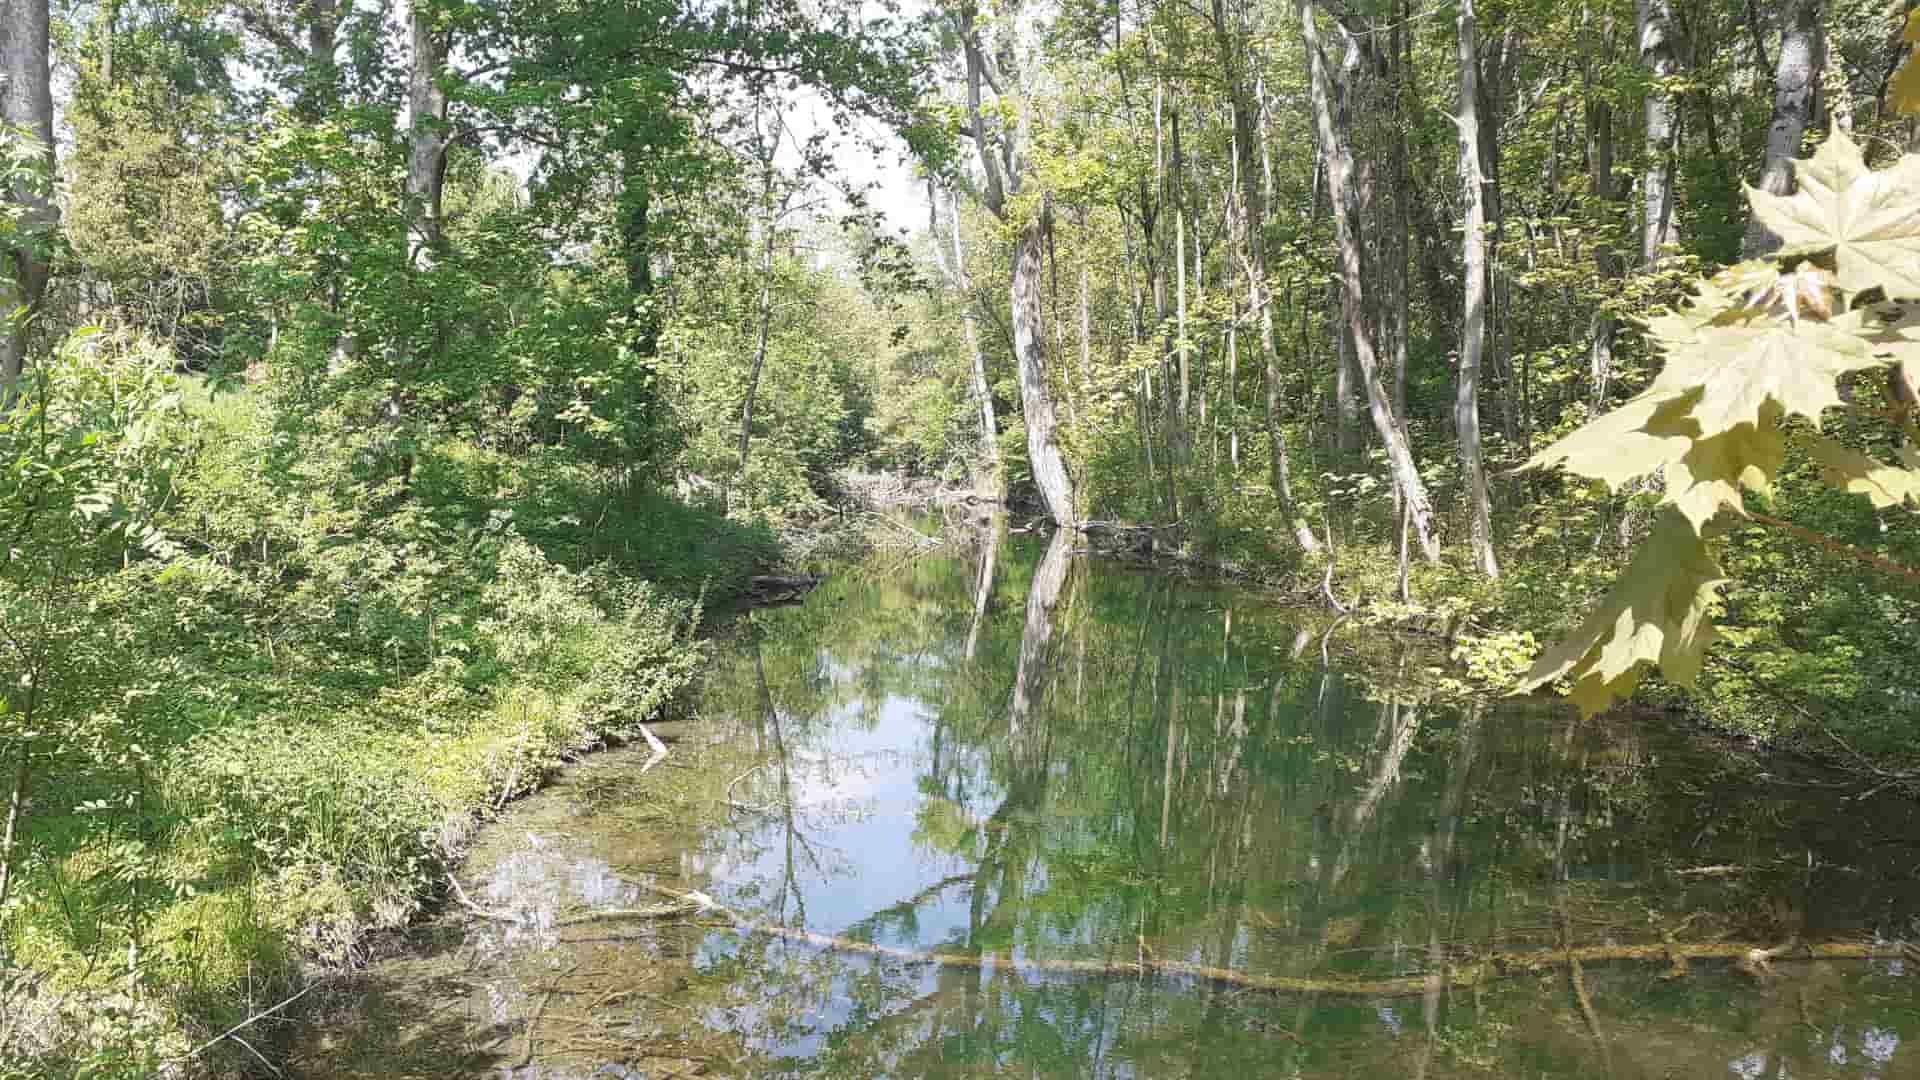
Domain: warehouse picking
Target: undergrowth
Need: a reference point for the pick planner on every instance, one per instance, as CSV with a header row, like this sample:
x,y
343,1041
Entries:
x,y
278,670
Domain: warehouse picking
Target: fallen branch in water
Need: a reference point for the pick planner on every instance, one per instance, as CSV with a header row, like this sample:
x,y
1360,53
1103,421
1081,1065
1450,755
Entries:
x,y
659,911
1484,969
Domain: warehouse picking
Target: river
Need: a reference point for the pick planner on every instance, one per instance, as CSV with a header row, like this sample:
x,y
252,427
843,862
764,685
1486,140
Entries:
x,y
1004,809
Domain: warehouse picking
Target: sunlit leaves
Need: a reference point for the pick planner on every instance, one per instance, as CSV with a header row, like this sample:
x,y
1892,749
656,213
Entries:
x,y
1758,345
1850,470
1657,613
1869,219
1625,444
1904,90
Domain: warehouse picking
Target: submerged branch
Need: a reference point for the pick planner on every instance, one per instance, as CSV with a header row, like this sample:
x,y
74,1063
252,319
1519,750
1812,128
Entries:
x,y
1483,969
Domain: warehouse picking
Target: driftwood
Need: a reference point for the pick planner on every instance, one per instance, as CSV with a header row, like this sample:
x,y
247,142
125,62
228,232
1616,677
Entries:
x,y
683,906
1474,972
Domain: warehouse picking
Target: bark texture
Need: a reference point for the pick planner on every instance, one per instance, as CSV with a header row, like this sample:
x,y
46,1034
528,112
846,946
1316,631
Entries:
x,y
1796,84
427,134
1048,465
26,102
1473,323
1660,56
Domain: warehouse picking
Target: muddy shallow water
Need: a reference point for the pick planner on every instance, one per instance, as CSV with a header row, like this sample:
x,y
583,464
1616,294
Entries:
x,y
1008,811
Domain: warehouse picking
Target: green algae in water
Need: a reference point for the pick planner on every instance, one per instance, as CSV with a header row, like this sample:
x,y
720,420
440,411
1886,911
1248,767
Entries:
x,y
1068,818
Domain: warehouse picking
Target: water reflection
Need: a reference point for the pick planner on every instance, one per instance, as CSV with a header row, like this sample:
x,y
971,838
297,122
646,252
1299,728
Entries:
x,y
1153,776
1057,817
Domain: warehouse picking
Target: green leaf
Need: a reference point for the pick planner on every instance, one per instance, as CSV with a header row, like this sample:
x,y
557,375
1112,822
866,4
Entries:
x,y
1656,613
1740,361
1713,471
1850,470
1633,440
1870,220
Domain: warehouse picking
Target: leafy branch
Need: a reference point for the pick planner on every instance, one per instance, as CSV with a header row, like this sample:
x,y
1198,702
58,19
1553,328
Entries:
x,y
1760,342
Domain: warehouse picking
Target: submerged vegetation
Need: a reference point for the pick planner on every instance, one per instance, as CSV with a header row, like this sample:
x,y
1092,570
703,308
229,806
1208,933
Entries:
x,y
389,392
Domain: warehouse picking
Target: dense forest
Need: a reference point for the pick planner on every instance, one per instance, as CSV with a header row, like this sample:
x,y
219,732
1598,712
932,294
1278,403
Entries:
x,y
390,389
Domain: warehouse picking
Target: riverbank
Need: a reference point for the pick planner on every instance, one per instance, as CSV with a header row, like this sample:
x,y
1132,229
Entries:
x,y
1111,815
266,741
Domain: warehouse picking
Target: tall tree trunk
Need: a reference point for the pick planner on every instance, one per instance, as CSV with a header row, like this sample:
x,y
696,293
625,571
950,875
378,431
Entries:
x,y
994,483
636,245
999,155
320,89
1473,324
1346,234
1609,263
765,312
1660,56
1255,185
26,103
1796,82
426,135
1036,397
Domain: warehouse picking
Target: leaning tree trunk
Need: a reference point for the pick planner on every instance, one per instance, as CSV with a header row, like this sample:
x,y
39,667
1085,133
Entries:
x,y
1796,81
1036,397
26,103
1660,56
426,137
1346,237
1000,162
1473,323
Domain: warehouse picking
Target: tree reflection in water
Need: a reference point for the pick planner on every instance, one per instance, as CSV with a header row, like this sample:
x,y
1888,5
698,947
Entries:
x,y
1131,770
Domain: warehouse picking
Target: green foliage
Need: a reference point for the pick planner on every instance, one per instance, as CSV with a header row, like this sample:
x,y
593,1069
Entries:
x,y
1758,345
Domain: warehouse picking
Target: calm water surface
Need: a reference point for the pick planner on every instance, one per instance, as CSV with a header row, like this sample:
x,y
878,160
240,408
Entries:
x,y
1069,818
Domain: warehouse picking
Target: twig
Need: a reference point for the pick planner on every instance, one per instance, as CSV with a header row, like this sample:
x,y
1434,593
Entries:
x,y
1828,543
930,541
737,804
235,1029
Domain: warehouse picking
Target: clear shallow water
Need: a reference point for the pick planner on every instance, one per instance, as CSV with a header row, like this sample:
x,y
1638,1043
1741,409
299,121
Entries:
x,y
1068,818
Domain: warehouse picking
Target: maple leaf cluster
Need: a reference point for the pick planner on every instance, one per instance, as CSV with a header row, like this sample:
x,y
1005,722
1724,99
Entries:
x,y
1761,342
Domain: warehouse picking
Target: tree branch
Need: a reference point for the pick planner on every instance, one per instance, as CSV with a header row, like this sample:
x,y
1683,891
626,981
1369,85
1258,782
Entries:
x,y
1836,547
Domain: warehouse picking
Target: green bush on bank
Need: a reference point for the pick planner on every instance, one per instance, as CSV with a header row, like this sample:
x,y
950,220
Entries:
x,y
264,672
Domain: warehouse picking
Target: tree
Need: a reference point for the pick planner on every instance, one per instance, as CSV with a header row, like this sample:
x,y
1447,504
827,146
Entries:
x,y
1796,85
1004,174
1338,155
1473,323
26,109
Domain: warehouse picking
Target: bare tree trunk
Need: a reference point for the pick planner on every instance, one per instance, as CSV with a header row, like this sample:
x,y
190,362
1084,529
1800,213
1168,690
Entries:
x,y
1796,83
1036,397
26,102
1000,161
320,91
765,315
1660,56
1250,137
995,485
427,136
1599,132
1339,177
1473,325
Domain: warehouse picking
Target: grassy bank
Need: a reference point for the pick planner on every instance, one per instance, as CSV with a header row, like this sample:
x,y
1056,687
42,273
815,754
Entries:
x,y
267,708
